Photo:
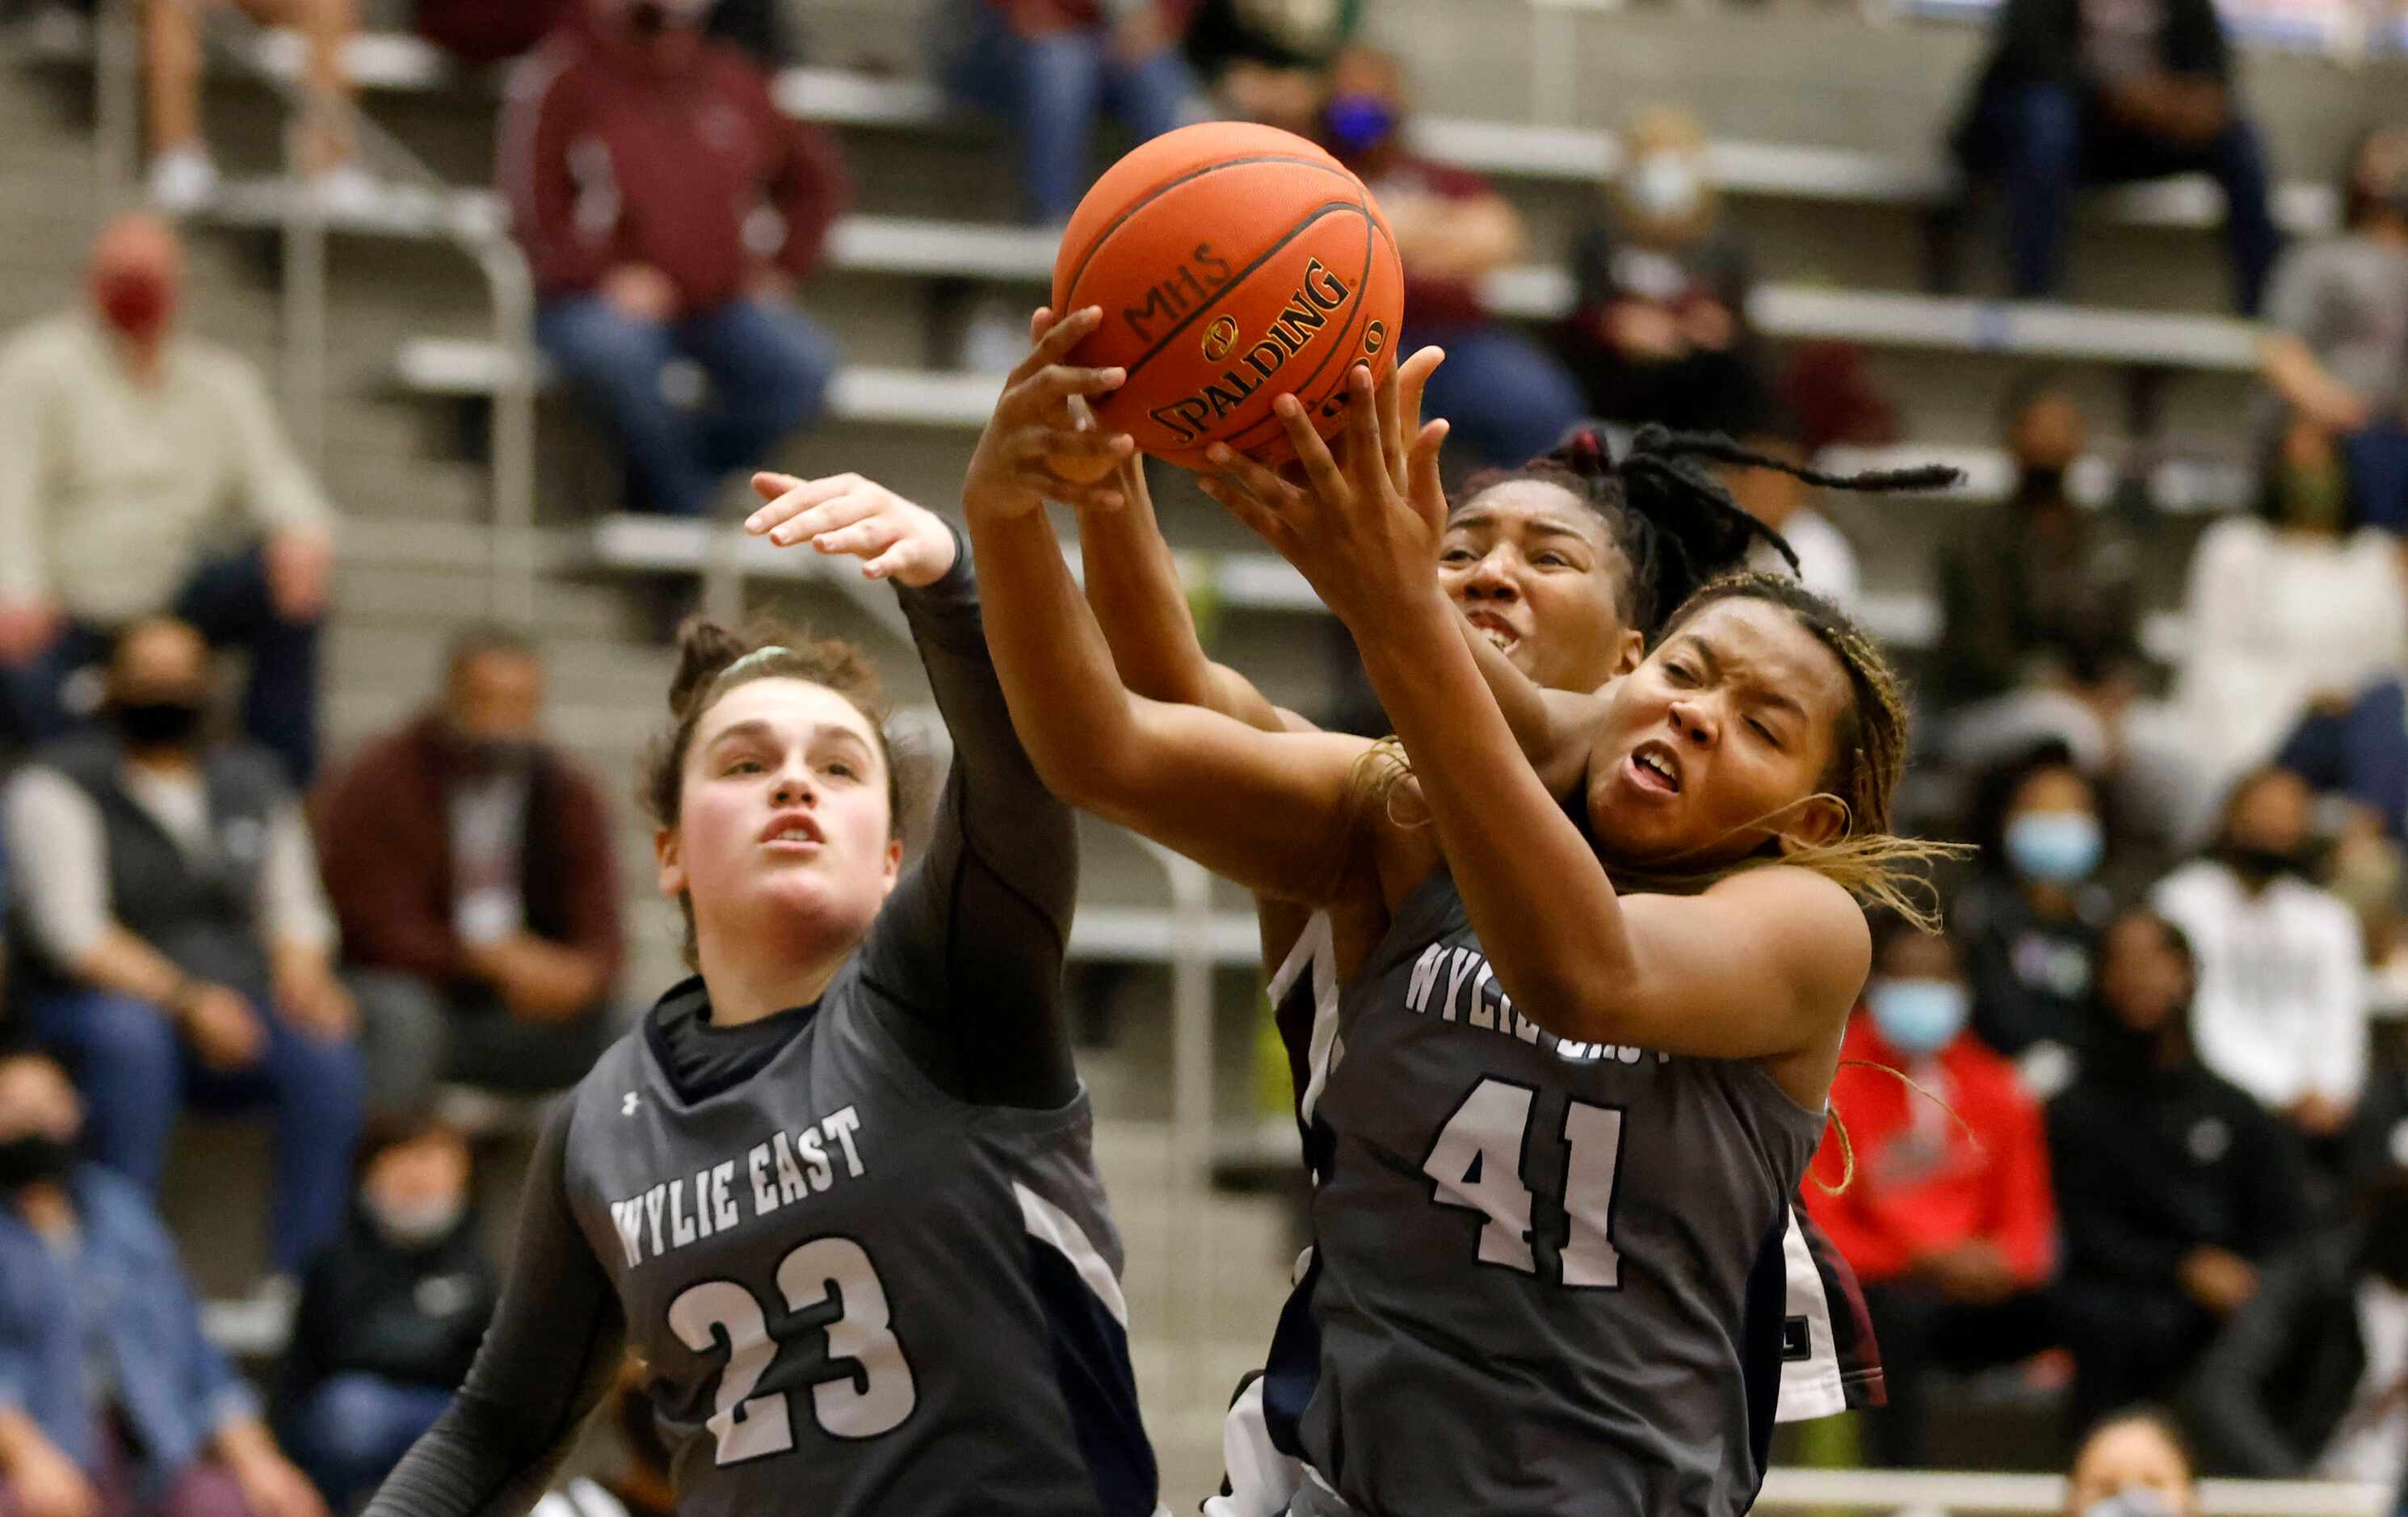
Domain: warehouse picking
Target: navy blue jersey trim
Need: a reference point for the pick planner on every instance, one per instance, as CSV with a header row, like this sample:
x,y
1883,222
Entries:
x,y
1090,1364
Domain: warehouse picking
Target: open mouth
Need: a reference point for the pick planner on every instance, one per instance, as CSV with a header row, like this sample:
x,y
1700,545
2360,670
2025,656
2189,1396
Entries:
x,y
1654,767
792,831
1499,632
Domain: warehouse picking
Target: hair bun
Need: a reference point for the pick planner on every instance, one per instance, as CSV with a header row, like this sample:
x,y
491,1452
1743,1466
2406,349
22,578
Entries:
x,y
705,650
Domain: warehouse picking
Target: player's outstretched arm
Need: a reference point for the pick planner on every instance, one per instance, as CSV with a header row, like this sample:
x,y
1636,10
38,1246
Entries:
x,y
1271,811
551,1354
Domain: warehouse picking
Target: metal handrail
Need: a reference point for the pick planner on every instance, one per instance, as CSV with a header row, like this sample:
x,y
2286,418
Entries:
x,y
509,283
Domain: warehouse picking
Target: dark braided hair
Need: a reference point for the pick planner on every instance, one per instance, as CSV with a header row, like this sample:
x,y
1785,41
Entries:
x,y
1673,521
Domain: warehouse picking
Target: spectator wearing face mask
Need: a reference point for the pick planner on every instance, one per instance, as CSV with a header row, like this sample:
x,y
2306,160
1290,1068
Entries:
x,y
2135,1463
389,1315
670,210
118,429
2281,1007
1269,59
1947,1217
1049,66
1660,333
2337,351
2174,1186
2030,917
2293,609
111,1399
1510,400
171,940
2311,1379
470,862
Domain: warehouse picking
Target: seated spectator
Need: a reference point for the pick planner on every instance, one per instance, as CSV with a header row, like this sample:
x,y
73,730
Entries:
x,y
2281,1006
2358,754
2173,1187
481,32
1826,561
89,1282
1269,59
389,1316
635,153
2337,348
115,428
1947,1217
2078,93
1049,65
470,862
2292,609
184,175
1660,333
2310,1380
2030,917
1508,400
174,942
2135,1463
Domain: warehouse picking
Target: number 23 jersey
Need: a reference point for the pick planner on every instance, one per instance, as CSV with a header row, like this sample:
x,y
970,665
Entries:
x,y
855,1294
1547,1277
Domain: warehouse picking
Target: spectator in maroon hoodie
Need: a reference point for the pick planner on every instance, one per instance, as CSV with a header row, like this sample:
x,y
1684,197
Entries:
x,y
1049,65
637,157
1508,399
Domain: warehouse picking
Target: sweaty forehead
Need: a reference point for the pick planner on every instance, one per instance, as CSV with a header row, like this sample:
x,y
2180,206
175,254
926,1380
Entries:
x,y
1763,644
788,709
1527,506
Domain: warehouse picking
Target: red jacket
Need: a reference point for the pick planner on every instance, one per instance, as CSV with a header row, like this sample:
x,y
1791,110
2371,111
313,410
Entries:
x,y
1923,1182
384,843
606,159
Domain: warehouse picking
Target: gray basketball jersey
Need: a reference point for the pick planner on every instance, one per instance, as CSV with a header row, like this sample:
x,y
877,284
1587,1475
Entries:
x,y
1548,1277
856,1294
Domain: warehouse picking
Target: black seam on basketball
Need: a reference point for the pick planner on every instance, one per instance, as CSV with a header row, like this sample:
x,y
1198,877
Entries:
x,y
1165,188
1357,311
1238,278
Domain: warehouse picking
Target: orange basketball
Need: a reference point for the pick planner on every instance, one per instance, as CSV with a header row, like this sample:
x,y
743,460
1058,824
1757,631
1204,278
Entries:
x,y
1235,264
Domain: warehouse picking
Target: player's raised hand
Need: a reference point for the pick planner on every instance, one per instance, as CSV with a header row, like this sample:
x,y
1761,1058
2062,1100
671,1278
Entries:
x,y
845,513
1033,444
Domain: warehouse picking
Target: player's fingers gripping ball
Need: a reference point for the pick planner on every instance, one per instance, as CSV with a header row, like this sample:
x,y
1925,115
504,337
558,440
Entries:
x,y
1235,264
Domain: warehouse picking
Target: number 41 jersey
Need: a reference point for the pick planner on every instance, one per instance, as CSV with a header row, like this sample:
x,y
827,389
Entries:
x,y
1547,1277
854,1294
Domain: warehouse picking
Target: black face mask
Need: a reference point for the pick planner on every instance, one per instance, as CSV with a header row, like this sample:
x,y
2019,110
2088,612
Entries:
x,y
158,724
496,755
2039,483
2261,864
647,20
35,1159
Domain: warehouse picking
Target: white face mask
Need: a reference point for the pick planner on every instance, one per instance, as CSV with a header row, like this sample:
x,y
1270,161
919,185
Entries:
x,y
1665,185
2132,1501
417,1224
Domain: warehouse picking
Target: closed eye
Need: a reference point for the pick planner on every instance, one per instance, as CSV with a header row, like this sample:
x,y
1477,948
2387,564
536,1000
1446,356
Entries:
x,y
1680,674
1764,732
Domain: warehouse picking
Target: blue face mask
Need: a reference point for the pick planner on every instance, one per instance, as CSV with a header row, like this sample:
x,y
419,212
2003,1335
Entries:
x,y
1358,123
2058,848
1918,1016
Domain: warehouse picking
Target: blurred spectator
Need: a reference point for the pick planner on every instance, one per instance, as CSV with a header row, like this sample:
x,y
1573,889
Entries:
x,y
1049,65
2337,351
183,175
1826,561
2293,609
2091,91
638,157
1947,1219
1660,333
111,1400
2281,1006
2312,1379
116,429
1508,400
2030,917
2358,753
470,862
176,943
480,32
1269,59
2135,1463
2172,1185
389,1316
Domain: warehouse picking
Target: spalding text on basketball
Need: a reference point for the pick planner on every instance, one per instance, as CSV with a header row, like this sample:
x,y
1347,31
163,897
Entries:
x,y
1306,312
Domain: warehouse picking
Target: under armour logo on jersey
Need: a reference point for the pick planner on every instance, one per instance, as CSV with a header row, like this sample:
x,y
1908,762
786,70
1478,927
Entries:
x,y
628,1103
